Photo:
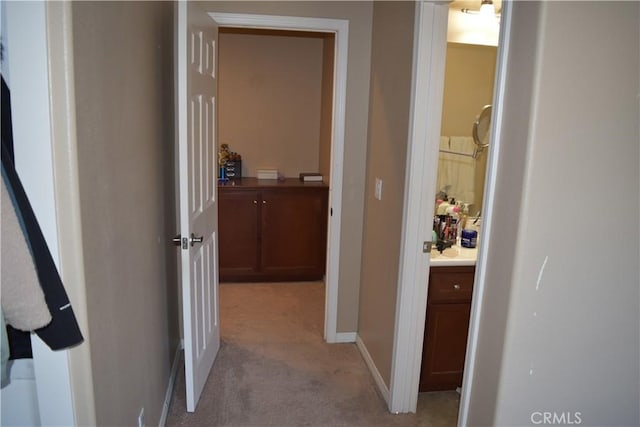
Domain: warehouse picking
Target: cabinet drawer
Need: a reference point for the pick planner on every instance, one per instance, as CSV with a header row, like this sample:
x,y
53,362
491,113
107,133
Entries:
x,y
451,284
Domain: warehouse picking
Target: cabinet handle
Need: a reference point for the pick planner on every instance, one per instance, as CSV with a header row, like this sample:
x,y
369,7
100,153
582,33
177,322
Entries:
x,y
255,202
264,202
456,287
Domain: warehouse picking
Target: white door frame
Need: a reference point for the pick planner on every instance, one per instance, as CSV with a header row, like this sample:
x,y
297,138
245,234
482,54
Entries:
x,y
341,29
429,52
500,83
31,97
422,157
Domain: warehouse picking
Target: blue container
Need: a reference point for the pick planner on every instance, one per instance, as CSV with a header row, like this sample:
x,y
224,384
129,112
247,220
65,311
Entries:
x,y
469,238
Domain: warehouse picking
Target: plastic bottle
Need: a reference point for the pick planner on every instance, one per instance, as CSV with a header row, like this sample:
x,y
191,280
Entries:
x,y
464,216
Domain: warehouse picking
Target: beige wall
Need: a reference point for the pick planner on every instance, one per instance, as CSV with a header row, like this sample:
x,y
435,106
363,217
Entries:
x,y
391,68
326,107
358,13
468,86
123,81
270,91
560,324
507,201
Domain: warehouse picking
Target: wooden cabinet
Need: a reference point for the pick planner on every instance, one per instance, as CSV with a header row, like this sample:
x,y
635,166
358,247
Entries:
x,y
446,328
272,230
238,231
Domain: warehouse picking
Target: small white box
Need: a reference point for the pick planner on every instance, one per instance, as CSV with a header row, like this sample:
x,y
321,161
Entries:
x,y
267,174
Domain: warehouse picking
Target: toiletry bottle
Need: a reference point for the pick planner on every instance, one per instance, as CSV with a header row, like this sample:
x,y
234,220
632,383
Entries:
x,y
453,229
464,216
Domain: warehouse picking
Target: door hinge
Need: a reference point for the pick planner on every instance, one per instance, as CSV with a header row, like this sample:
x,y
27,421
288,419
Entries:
x,y
426,247
330,211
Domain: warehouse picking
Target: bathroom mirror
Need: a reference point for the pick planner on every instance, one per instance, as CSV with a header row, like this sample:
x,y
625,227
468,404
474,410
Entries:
x,y
466,119
482,126
481,130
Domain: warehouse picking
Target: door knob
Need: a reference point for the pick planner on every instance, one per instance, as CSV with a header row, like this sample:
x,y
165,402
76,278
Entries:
x,y
195,239
177,240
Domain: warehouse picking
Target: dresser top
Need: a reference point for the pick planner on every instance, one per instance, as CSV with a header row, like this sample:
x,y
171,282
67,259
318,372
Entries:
x,y
269,183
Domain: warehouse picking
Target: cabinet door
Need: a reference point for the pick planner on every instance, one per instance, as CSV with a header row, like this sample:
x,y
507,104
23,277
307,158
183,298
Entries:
x,y
294,234
444,346
238,229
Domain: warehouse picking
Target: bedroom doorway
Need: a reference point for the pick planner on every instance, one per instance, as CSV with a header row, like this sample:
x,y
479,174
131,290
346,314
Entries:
x,y
338,30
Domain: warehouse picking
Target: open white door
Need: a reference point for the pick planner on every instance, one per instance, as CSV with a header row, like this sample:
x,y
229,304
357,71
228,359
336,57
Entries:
x,y
196,100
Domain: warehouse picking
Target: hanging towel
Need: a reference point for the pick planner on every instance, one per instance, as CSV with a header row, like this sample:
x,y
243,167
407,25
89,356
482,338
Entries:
x,y
443,180
23,302
457,172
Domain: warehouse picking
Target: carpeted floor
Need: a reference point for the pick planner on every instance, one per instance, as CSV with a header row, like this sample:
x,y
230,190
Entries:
x,y
274,369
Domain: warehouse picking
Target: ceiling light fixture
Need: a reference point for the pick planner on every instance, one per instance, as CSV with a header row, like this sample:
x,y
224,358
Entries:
x,y
486,9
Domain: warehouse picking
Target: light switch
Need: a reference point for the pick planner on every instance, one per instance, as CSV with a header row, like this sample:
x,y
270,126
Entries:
x,y
378,193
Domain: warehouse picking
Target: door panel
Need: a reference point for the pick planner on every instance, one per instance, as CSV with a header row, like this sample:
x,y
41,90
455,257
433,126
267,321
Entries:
x,y
238,225
196,100
293,232
444,346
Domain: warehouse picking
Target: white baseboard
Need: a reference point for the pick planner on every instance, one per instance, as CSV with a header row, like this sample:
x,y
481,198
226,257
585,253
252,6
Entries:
x,y
344,337
177,361
384,390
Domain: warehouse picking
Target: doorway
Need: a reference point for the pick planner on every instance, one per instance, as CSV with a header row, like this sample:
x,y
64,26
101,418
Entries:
x,y
459,190
275,109
428,87
339,28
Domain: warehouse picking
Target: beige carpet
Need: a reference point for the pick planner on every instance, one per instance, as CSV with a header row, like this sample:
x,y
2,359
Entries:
x,y
274,369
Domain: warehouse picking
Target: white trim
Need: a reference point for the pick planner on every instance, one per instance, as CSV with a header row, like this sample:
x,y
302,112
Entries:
x,y
67,194
181,78
177,362
27,57
489,208
422,159
341,29
382,387
345,337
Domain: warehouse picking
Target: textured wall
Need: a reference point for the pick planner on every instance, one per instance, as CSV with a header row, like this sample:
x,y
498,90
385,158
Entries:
x,y
560,325
326,106
391,69
123,68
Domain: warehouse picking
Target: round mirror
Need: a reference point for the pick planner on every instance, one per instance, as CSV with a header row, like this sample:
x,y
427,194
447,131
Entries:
x,y
482,127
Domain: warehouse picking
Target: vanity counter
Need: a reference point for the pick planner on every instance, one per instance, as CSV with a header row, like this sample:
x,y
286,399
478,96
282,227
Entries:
x,y
454,256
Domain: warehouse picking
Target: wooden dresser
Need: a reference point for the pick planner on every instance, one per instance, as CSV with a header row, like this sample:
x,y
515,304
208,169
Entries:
x,y
446,328
272,230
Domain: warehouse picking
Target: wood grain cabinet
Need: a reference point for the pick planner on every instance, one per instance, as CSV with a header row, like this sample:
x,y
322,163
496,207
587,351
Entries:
x,y
446,328
272,230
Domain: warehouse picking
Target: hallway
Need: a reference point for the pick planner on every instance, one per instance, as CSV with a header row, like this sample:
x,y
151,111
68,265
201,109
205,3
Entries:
x,y
274,368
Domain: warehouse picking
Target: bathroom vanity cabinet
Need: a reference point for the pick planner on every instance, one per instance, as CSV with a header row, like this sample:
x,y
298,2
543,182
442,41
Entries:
x,y
446,328
272,230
